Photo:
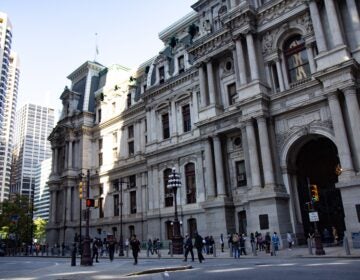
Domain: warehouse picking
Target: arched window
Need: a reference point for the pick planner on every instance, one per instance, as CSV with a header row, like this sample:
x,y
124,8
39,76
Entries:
x,y
190,183
297,61
168,193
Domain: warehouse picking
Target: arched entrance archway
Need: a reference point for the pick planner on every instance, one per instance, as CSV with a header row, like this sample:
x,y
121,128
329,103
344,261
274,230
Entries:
x,y
314,158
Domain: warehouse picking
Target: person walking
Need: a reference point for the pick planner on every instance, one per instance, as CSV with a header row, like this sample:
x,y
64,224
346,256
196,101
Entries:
x,y
199,246
222,242
289,240
188,248
275,243
252,242
111,247
235,241
135,247
150,249
95,249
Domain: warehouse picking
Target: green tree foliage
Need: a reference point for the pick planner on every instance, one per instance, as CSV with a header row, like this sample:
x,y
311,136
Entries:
x,y
40,230
15,218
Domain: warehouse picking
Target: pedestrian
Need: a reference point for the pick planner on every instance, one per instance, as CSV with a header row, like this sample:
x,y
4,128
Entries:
x,y
289,240
252,242
135,247
95,249
222,242
199,246
235,241
275,243
111,242
335,235
267,242
149,247
242,240
188,246
326,235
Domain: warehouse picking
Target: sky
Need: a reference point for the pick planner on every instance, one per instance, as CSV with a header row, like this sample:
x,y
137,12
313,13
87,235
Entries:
x,y
54,37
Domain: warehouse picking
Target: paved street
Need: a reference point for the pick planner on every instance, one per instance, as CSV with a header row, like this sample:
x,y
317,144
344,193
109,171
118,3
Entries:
x,y
295,264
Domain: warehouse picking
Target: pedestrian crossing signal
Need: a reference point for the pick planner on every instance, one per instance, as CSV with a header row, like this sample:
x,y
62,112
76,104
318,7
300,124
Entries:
x,y
314,193
90,202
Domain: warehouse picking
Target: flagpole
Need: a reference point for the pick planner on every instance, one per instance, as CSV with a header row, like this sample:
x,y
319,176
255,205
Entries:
x,y
96,47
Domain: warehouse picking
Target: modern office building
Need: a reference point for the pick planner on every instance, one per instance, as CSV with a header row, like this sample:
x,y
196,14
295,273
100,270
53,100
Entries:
x,y
42,195
32,127
9,69
254,103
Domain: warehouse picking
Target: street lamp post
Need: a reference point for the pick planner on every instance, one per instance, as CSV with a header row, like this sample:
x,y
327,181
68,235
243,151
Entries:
x,y
86,254
174,183
121,240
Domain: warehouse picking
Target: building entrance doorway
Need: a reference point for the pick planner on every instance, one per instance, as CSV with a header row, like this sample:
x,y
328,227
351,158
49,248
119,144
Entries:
x,y
316,163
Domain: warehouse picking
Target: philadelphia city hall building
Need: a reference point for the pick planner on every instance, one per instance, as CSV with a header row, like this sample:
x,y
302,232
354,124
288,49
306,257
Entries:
x,y
253,103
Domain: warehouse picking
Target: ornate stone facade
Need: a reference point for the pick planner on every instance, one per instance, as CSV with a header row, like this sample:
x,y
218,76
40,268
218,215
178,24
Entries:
x,y
248,101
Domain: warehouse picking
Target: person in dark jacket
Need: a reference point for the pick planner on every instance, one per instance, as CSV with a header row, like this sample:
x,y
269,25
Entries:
x,y
135,247
188,248
199,246
95,249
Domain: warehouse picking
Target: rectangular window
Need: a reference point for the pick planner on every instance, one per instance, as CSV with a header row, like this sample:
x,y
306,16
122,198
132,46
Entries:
x,y
161,74
128,100
264,221
100,159
231,93
100,143
181,64
130,131
99,115
116,205
132,181
358,211
115,185
131,148
240,173
115,138
165,126
186,118
101,207
133,202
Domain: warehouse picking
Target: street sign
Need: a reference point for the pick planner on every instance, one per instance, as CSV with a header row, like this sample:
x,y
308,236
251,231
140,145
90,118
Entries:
x,y
313,216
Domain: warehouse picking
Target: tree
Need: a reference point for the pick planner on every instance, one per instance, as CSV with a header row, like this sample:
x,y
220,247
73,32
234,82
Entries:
x,y
15,218
40,232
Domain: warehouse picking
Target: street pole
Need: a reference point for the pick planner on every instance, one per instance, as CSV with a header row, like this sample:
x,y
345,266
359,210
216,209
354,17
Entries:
x,y
80,238
86,255
175,183
121,242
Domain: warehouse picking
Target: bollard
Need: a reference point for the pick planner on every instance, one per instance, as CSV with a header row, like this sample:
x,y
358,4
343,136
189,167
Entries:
x,y
346,246
309,246
73,255
214,250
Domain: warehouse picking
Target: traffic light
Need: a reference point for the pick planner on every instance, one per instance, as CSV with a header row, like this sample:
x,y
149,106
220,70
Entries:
x,y
90,202
80,190
314,193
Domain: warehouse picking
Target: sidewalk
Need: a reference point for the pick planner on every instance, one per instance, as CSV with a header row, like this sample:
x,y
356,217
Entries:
x,y
296,252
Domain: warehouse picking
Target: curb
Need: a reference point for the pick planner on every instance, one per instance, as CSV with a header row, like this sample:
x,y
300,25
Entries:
x,y
162,269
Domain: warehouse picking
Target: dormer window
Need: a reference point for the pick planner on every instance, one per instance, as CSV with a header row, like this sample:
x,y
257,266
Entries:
x,y
161,74
181,64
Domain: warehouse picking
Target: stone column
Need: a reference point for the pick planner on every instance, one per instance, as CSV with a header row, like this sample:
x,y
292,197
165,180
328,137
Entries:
x,y
252,57
70,152
309,51
355,19
66,154
340,134
202,82
318,28
68,203
173,120
209,169
219,166
53,206
334,24
352,105
56,160
211,82
245,148
137,137
280,75
240,61
53,160
148,123
153,123
265,152
194,109
254,159
123,144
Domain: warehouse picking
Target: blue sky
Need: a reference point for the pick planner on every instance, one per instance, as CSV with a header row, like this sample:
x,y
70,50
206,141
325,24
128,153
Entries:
x,y
54,37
